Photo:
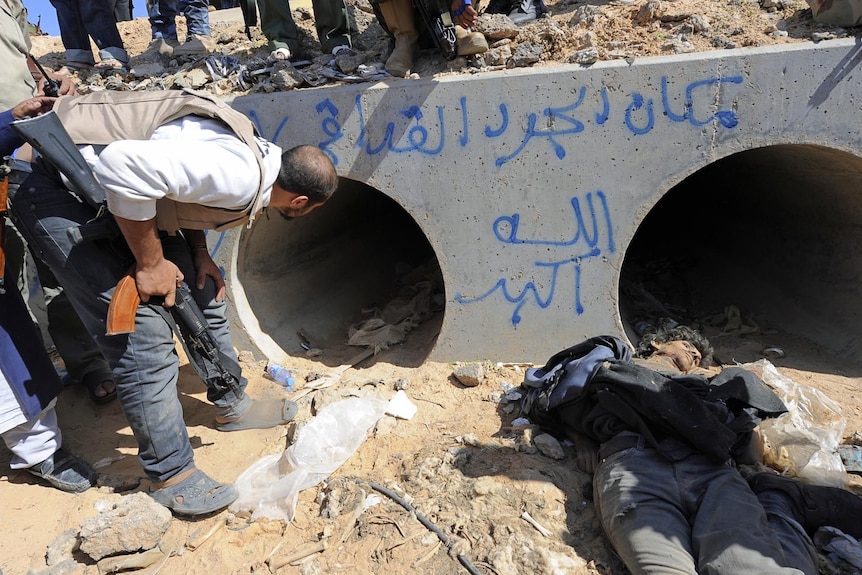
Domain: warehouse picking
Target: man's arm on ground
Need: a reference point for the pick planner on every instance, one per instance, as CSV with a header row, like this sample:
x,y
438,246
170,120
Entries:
x,y
154,275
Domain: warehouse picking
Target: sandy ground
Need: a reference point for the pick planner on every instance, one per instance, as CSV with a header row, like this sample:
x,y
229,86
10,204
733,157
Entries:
x,y
459,460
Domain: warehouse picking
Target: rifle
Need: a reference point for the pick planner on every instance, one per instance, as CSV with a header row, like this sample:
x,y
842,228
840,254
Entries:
x,y
52,86
4,196
438,21
49,137
192,326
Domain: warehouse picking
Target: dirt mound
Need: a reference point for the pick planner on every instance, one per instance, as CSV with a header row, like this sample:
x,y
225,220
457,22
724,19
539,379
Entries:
x,y
571,32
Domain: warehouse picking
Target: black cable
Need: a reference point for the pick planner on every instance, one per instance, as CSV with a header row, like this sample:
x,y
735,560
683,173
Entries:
x,y
423,520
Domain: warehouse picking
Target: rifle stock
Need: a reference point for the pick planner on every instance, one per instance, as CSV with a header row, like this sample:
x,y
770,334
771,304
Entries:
x,y
123,307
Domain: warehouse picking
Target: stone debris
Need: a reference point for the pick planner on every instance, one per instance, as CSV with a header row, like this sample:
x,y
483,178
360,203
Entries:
x,y
62,547
549,446
470,375
133,522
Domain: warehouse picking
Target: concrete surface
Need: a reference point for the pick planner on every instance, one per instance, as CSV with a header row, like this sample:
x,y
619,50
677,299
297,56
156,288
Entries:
x,y
537,195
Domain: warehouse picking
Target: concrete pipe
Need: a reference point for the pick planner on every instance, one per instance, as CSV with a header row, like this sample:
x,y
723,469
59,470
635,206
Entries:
x,y
540,200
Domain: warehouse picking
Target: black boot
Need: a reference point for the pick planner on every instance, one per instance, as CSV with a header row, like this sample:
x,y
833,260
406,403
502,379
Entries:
x,y
815,506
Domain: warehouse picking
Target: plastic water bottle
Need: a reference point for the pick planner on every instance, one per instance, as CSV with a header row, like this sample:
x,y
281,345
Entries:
x,y
280,375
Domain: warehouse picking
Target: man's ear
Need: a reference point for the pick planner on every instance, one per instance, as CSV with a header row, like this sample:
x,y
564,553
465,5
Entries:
x,y
654,345
299,202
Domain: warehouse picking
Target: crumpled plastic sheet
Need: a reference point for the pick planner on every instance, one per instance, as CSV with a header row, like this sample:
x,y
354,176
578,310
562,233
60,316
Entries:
x,y
804,441
270,487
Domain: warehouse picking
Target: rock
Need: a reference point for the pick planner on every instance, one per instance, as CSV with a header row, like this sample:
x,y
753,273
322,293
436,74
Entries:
x,y
61,548
197,78
585,15
648,13
549,446
67,567
584,57
348,61
496,27
133,523
284,76
470,375
699,23
498,56
245,356
527,54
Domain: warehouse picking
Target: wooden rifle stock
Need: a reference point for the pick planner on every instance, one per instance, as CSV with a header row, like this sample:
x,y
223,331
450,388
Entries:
x,y
123,307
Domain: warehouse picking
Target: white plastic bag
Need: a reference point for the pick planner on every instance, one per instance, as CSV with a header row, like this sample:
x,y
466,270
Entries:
x,y
804,441
270,486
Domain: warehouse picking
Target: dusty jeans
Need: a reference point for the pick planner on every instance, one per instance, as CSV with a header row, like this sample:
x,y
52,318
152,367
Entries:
x,y
693,516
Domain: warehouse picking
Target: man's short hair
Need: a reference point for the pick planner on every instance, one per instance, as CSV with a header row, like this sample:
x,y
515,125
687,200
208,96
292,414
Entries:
x,y
308,171
678,333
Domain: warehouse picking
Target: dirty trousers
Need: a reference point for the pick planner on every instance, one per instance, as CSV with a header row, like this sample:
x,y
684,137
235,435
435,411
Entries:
x,y
693,516
145,364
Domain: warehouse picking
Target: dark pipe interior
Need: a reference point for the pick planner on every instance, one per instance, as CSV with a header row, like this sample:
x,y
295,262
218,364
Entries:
x,y
325,271
776,231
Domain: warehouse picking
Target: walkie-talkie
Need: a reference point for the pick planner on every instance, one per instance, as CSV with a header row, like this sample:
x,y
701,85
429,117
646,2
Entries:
x,y
52,86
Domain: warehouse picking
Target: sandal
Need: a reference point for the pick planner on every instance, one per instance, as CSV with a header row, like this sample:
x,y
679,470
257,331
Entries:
x,y
263,414
94,384
70,68
197,494
111,65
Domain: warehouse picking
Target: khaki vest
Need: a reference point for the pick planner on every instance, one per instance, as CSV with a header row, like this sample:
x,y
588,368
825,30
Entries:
x,y
101,118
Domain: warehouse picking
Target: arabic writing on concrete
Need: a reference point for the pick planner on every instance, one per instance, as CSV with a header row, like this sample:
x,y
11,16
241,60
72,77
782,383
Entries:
x,y
585,236
425,132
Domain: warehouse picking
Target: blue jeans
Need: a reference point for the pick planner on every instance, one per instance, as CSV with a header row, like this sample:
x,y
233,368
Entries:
x,y
81,19
693,516
145,363
163,14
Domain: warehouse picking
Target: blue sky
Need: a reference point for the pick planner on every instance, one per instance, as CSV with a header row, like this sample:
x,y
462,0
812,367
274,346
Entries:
x,y
49,16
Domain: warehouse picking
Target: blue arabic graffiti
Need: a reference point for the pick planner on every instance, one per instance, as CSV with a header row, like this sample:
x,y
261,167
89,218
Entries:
x,y
415,130
506,230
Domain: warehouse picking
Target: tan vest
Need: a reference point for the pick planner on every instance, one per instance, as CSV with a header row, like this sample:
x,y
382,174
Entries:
x,y
101,118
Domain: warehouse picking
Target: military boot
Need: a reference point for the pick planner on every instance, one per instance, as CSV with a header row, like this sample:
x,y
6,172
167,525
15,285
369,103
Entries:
x,y
470,43
400,21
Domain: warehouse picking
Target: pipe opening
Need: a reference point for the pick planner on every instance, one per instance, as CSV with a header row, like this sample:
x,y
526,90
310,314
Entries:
x,y
337,266
775,231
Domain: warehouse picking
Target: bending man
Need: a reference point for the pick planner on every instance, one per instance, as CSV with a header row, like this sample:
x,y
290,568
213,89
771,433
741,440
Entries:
x,y
172,165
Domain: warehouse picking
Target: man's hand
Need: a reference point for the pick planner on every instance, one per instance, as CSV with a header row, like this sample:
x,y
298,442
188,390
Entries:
x,y
154,275
33,107
463,13
205,266
160,279
67,86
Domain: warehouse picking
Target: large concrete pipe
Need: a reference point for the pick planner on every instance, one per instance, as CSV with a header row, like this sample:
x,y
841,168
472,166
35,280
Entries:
x,y
534,195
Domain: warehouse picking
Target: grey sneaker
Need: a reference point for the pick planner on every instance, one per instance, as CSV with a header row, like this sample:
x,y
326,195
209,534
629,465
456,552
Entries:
x,y
65,472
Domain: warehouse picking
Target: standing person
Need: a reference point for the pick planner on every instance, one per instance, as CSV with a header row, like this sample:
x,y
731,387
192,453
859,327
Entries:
x,y
399,19
173,164
331,19
21,79
29,385
163,22
79,20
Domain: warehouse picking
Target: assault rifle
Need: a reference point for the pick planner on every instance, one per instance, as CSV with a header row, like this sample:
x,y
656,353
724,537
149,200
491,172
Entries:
x,y
192,326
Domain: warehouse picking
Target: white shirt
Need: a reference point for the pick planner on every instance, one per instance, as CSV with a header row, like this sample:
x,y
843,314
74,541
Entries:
x,y
190,160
